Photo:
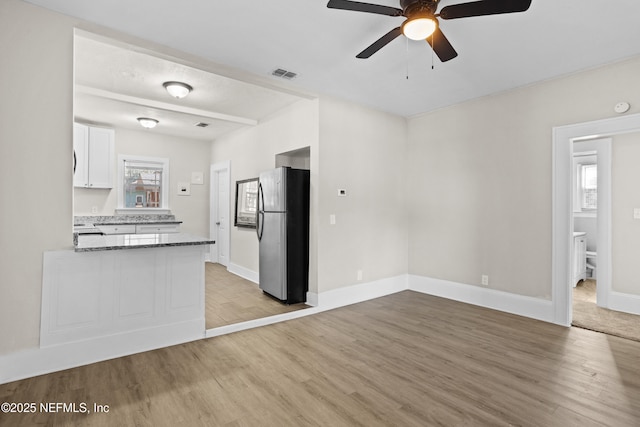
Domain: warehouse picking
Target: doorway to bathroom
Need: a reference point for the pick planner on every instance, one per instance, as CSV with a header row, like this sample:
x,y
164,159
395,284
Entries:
x,y
585,203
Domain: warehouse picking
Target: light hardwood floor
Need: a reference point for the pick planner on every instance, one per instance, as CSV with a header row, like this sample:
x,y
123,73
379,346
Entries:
x,y
407,359
231,299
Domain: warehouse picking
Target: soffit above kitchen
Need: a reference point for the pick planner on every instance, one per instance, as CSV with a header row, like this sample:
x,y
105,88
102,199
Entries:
x,y
496,53
116,83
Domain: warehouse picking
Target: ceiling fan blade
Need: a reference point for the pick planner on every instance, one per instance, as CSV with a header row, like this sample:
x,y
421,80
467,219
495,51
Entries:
x,y
486,7
364,7
441,46
380,43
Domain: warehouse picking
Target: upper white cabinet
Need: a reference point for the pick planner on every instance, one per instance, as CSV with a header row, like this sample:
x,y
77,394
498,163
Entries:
x,y
93,150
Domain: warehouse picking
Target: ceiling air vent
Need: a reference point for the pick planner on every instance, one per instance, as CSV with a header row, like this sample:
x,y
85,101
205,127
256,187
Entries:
x,y
202,124
284,74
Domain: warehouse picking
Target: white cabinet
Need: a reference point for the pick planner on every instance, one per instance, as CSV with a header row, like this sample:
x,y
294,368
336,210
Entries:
x,y
139,229
579,257
117,229
93,156
157,228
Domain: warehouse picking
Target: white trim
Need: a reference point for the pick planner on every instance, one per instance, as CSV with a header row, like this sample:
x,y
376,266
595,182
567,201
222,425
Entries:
x,y
520,305
562,219
39,361
627,303
213,209
243,272
164,162
358,293
34,362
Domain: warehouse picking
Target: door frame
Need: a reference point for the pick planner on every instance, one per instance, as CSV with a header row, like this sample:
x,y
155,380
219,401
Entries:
x,y
562,218
214,204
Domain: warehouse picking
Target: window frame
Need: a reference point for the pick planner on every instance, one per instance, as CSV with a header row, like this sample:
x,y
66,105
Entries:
x,y
164,190
579,161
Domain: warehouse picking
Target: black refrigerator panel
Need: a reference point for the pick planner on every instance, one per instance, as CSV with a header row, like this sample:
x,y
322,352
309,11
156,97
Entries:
x,y
297,203
283,233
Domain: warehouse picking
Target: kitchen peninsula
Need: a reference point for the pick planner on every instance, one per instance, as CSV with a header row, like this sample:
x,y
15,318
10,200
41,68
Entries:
x,y
117,294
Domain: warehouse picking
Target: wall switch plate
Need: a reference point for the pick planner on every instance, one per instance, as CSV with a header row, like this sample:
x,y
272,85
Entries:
x,y
485,280
197,178
636,213
359,275
332,219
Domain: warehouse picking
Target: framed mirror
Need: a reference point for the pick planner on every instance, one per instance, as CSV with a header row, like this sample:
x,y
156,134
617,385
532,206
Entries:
x,y
246,203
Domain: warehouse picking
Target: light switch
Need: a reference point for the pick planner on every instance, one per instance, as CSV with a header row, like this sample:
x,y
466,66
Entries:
x,y
197,178
332,219
636,213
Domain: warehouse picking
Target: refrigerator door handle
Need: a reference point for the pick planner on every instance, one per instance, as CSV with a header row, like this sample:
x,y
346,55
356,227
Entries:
x,y
260,212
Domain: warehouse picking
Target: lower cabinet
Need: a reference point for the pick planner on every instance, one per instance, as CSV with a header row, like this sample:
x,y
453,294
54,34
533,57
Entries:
x,y
139,229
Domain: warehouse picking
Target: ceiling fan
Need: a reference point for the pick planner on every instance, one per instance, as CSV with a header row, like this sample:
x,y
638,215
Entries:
x,y
422,20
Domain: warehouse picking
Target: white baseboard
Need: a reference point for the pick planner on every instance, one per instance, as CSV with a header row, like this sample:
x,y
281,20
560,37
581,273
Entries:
x,y
243,272
39,361
627,303
357,293
534,308
34,362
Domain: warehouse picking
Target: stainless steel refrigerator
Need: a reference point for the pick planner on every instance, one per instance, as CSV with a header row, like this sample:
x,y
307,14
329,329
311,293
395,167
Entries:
x,y
283,233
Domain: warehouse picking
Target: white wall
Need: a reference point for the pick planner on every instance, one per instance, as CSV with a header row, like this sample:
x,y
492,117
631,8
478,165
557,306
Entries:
x,y
254,150
35,160
481,172
363,152
185,156
625,197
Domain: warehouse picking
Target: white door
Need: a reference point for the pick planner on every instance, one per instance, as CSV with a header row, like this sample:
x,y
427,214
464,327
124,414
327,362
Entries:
x,y
220,231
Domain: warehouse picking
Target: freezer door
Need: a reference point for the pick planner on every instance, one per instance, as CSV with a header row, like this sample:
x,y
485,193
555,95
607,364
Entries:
x,y
272,196
273,260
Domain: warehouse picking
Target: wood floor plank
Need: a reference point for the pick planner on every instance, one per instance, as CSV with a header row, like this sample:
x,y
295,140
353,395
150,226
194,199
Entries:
x,y
406,359
232,299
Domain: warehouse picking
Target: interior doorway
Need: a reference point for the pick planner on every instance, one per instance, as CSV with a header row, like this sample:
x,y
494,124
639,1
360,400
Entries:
x,y
219,212
562,219
591,204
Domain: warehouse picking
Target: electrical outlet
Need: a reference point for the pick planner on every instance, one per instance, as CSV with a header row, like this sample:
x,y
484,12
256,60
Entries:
x,y
94,209
485,280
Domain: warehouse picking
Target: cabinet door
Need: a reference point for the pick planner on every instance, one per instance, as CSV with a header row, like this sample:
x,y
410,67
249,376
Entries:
x,y
81,153
100,157
157,228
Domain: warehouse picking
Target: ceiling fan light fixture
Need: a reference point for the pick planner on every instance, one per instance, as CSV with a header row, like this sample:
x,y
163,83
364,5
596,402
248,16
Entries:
x,y
147,123
177,89
419,27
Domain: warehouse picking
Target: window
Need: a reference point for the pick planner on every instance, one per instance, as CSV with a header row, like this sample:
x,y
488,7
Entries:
x,y
586,183
589,175
143,183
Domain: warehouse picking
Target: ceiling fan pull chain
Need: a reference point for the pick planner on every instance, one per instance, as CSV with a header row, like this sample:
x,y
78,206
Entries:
x,y
407,41
433,48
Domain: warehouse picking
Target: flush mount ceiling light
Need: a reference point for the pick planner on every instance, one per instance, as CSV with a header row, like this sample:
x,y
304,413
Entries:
x,y
177,89
419,27
147,123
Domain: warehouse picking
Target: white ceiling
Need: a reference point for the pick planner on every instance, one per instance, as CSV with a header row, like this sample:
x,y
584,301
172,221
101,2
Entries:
x,y
496,53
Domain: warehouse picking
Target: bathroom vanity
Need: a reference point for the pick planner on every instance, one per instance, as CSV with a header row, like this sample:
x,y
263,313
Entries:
x,y
579,257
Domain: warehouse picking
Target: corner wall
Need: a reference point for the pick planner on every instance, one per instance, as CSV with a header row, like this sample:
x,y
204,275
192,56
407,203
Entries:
x,y
36,47
362,151
482,171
